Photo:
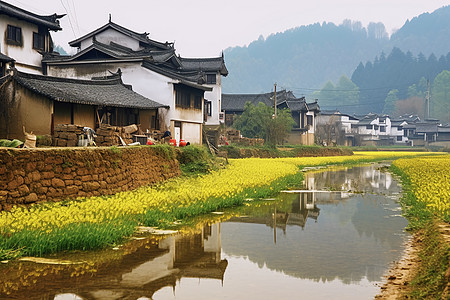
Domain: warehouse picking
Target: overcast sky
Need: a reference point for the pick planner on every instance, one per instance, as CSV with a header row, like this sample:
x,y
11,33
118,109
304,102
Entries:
x,y
203,28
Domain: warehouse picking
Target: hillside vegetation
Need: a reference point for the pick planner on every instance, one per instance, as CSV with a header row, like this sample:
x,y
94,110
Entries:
x,y
308,58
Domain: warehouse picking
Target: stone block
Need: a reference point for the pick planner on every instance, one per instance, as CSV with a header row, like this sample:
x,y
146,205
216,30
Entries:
x,y
72,189
58,183
48,175
31,198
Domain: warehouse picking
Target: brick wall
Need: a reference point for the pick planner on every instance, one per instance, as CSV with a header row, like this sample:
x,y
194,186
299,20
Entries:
x,y
36,175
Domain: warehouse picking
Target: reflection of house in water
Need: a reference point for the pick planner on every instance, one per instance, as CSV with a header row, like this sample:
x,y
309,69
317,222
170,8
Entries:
x,y
146,267
356,179
303,206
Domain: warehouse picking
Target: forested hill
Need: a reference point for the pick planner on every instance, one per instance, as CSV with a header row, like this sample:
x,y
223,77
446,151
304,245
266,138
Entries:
x,y
305,58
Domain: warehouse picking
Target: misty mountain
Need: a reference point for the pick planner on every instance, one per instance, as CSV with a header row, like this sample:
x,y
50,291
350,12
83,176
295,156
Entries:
x,y
303,59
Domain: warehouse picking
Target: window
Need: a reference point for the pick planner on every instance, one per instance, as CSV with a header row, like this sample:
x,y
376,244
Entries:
x,y
368,126
198,102
399,138
382,129
38,41
309,120
186,97
208,108
183,99
14,35
211,78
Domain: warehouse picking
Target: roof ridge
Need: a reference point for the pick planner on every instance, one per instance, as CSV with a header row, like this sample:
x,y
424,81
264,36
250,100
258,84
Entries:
x,y
108,81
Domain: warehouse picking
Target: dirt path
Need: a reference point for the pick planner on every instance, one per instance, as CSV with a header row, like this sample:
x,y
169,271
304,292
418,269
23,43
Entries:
x,y
402,272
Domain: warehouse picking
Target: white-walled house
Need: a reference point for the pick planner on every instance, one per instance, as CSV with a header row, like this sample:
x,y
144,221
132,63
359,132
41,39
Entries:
x,y
25,38
213,70
154,71
373,129
398,132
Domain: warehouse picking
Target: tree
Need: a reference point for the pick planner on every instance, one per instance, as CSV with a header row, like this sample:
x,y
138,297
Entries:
x,y
389,102
279,127
252,121
259,122
440,97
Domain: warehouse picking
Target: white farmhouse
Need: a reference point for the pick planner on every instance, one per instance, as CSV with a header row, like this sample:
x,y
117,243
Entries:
x,y
398,133
24,38
154,70
373,130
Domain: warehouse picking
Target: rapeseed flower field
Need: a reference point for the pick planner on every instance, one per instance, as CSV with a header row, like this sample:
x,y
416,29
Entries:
x,y
89,223
430,181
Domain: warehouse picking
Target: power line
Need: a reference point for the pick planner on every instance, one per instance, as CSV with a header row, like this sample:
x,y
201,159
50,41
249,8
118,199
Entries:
x,y
76,17
68,15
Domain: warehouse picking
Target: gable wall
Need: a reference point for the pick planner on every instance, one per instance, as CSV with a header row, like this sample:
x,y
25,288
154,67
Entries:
x,y
109,35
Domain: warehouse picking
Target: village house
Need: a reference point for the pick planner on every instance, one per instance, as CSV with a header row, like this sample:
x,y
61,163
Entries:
x,y
304,114
39,103
335,128
25,37
191,88
373,130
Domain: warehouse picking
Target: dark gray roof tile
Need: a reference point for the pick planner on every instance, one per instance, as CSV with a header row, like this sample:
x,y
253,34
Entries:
x,y
215,64
141,37
111,92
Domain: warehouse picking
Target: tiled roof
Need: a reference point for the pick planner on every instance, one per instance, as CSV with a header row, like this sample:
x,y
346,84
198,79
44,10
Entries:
x,y
110,92
396,123
444,129
141,37
215,64
188,78
236,102
426,127
5,58
313,106
50,22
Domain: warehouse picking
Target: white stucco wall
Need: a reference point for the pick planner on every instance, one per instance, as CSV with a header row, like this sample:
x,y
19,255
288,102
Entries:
x,y
27,59
215,97
149,84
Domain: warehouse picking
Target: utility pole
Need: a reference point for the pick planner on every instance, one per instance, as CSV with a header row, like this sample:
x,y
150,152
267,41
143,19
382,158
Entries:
x,y
275,100
428,100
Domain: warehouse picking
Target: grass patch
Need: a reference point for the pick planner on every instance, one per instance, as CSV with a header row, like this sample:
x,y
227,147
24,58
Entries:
x,y
430,280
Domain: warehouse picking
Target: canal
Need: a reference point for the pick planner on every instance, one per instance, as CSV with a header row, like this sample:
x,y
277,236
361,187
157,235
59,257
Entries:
x,y
333,237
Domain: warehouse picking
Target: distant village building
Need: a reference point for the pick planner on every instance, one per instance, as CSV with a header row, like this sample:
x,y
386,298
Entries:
x,y
304,114
38,103
335,128
373,130
191,88
24,38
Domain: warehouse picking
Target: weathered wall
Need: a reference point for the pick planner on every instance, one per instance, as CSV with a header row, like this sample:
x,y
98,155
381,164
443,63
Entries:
x,y
35,175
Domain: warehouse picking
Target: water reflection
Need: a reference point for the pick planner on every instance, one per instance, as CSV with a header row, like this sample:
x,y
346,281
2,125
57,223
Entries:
x,y
140,269
333,239
355,236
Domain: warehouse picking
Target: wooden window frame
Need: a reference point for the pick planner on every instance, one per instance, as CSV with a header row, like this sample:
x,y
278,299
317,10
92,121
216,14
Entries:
x,y
38,41
211,78
14,35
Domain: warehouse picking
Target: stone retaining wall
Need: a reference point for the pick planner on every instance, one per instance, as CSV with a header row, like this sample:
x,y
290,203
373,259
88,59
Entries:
x,y
36,175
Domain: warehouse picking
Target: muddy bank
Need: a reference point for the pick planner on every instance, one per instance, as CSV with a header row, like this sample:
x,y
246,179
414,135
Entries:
x,y
398,280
